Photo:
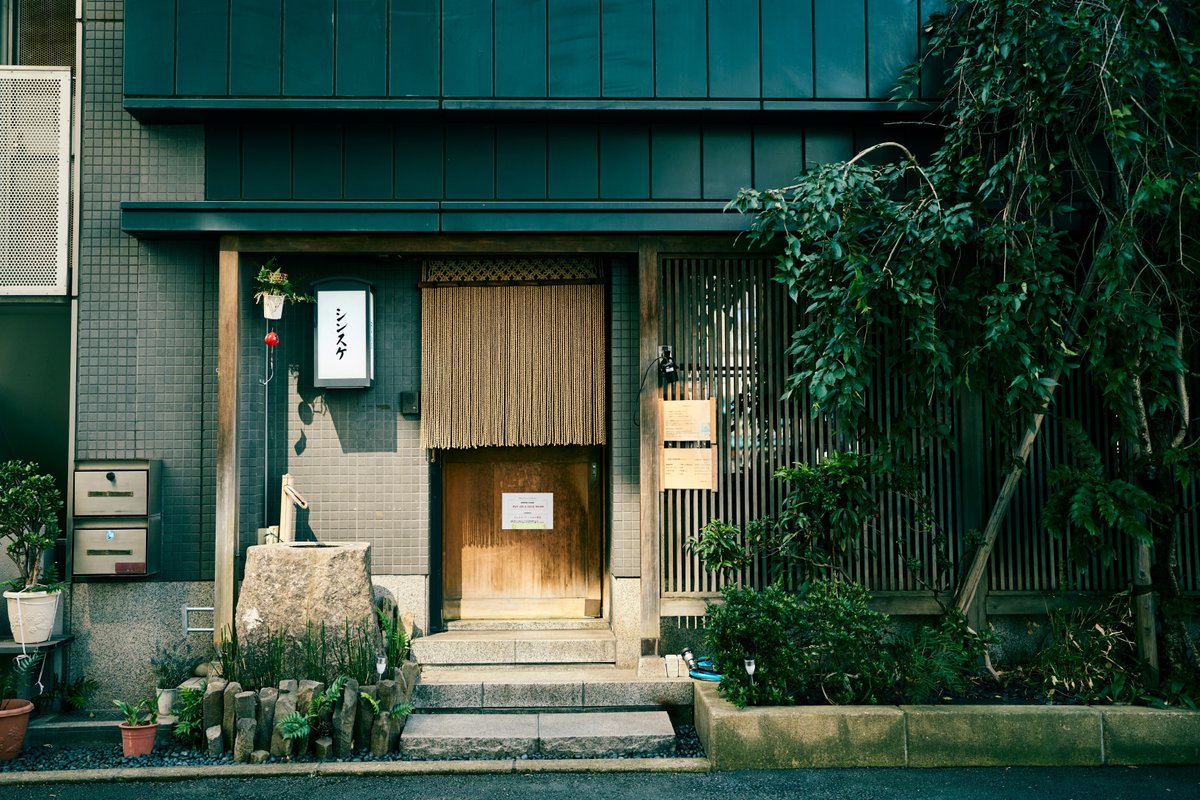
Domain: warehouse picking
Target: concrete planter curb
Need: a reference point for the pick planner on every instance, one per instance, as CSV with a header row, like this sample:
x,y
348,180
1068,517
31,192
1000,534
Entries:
x,y
941,736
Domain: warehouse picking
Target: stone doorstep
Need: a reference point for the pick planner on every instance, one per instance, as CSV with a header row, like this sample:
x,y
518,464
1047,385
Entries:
x,y
551,688
498,647
515,735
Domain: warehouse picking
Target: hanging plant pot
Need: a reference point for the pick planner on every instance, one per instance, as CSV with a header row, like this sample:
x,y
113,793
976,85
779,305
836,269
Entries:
x,y
14,719
137,740
31,615
272,306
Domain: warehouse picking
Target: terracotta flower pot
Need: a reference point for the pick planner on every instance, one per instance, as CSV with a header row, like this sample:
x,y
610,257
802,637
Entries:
x,y
137,740
14,718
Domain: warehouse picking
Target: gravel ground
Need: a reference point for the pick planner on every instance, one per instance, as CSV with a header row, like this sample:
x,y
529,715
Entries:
x,y
49,757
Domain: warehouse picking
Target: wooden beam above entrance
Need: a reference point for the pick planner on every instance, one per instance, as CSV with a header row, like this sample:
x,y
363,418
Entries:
x,y
474,245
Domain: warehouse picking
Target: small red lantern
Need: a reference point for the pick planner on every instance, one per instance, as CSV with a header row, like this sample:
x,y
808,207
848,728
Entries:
x,y
272,338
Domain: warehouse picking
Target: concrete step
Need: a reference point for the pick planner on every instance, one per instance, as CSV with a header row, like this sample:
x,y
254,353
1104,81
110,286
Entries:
x,y
566,687
528,625
517,647
59,730
516,735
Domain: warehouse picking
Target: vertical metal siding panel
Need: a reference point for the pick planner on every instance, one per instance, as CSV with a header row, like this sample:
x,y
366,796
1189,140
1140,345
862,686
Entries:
x,y
574,33
728,164
839,35
891,42
202,47
520,48
368,162
362,45
308,48
624,162
467,48
149,47
787,49
414,51
680,49
778,155
470,162
627,48
675,162
825,145
255,43
933,75
267,162
317,168
418,157
222,162
520,162
733,49
573,162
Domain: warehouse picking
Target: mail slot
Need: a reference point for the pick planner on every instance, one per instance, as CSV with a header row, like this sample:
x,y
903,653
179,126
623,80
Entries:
x,y
113,492
111,550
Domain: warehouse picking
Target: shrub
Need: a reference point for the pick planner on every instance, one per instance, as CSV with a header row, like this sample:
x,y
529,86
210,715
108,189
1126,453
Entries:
x,y
174,663
823,644
189,717
938,659
1090,654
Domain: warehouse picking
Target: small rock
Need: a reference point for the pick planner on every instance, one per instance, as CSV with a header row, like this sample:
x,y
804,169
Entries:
x,y
305,692
214,740
323,748
343,720
381,734
243,742
229,713
266,717
285,704
364,718
259,756
410,672
389,695
245,705
214,703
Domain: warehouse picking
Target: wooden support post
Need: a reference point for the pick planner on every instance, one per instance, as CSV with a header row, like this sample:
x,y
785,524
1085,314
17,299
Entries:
x,y
1143,614
648,287
971,478
228,355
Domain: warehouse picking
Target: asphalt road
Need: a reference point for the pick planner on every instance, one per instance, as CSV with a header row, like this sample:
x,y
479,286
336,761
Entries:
x,y
1105,783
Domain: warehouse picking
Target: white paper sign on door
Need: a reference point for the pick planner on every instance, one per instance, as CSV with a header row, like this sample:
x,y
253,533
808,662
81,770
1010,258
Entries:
x,y
527,511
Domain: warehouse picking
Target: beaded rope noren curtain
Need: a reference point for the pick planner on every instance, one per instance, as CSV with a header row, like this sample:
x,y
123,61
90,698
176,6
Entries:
x,y
512,365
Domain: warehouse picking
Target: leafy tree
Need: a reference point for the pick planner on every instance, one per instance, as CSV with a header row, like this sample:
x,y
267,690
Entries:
x,y
1052,232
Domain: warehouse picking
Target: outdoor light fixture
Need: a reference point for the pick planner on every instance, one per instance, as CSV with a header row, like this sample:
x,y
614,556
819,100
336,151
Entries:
x,y
668,370
381,666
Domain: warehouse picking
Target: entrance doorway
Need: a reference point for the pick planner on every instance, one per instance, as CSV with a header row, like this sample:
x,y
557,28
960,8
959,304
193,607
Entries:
x,y
522,532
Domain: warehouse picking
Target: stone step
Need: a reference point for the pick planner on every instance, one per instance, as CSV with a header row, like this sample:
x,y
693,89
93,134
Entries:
x,y
531,735
528,625
577,688
517,647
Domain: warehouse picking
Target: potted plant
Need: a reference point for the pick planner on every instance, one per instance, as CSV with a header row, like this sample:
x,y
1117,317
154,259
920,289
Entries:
x,y
14,711
274,287
139,728
29,506
172,665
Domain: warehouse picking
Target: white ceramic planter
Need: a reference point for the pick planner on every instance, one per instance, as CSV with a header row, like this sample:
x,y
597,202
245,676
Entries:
x,y
31,615
272,306
166,700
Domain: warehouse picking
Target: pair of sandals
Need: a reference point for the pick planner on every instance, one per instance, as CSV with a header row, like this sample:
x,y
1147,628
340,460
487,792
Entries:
x,y
699,668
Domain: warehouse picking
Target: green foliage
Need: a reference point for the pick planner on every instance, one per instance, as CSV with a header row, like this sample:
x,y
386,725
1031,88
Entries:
x,y
373,703
14,677
72,696
294,726
822,645
316,654
1089,655
144,713
271,279
174,663
395,640
189,717
1085,501
29,506
939,659
400,710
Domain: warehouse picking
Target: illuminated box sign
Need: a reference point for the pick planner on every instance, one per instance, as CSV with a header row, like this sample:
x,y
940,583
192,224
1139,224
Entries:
x,y
344,334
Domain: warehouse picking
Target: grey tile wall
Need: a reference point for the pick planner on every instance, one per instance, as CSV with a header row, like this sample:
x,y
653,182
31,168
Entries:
x,y
352,455
147,335
624,526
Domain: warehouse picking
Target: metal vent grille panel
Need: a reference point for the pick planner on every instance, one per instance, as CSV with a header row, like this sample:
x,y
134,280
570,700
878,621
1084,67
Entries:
x,y
45,33
34,180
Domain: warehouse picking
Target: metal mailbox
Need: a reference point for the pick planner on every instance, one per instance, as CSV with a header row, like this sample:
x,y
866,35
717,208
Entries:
x,y
116,516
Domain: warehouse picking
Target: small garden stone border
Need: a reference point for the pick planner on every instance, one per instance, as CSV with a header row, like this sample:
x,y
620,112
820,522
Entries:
x,y
941,736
